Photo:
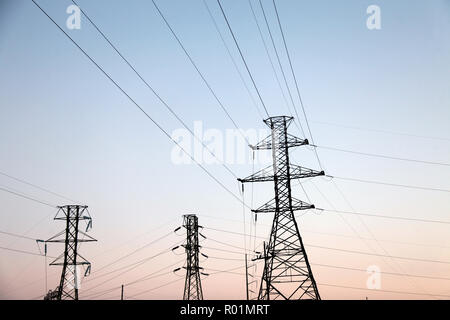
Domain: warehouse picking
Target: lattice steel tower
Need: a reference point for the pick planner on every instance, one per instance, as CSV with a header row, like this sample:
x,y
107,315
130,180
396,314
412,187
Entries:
x,y
70,259
192,286
287,273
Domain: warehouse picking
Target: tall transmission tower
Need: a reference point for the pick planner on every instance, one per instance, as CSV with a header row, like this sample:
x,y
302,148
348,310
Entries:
x,y
287,273
192,286
70,259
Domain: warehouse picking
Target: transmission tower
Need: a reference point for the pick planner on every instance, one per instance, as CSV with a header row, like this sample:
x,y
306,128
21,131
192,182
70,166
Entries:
x,y
70,259
192,286
287,273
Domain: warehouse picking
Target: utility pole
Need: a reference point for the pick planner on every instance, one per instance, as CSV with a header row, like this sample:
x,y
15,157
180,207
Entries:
x,y
70,259
121,295
287,273
193,286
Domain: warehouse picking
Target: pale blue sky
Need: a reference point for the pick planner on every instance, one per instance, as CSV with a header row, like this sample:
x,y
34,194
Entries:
x,y
64,126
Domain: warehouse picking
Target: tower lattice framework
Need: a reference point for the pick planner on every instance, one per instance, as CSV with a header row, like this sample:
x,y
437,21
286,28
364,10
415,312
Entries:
x,y
287,273
192,286
70,259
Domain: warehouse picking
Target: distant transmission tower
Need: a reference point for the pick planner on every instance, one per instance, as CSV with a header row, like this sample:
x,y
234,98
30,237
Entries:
x,y
287,273
192,286
70,259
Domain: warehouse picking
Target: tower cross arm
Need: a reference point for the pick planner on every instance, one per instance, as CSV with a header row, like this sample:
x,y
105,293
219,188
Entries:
x,y
262,175
268,144
272,207
296,172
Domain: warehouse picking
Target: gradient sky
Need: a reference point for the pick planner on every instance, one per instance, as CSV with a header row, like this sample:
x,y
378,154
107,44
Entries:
x,y
65,127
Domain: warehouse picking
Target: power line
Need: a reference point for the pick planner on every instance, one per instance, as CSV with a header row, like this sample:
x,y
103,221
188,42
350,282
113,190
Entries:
x,y
136,237
133,264
99,294
382,272
99,269
364,240
388,291
243,59
371,233
349,251
268,56
198,71
390,184
37,187
154,91
134,251
348,268
225,250
367,228
19,194
228,271
379,131
379,255
154,288
149,276
231,57
386,217
139,107
29,284
230,232
348,236
396,265
280,65
128,268
146,277
380,240
17,235
24,252
27,197
286,82
224,243
224,258
383,156
295,81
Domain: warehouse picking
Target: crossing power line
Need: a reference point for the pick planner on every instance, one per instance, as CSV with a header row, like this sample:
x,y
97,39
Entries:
x,y
157,95
353,127
17,235
23,251
177,38
387,216
19,194
243,58
408,186
270,59
37,187
384,156
281,67
348,250
296,82
138,105
242,252
205,2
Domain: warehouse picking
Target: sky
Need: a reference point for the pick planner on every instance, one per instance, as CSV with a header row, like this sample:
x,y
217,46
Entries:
x,y
66,128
